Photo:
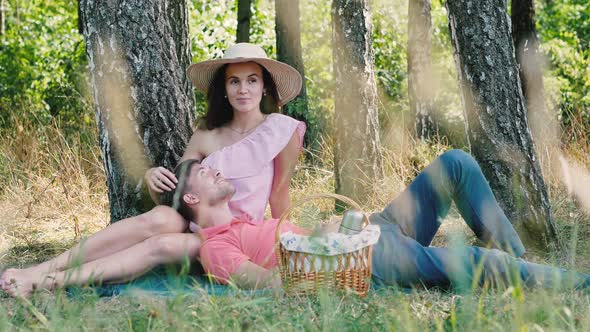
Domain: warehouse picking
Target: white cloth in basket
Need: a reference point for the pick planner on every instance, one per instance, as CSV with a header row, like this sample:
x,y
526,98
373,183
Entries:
x,y
332,243
325,248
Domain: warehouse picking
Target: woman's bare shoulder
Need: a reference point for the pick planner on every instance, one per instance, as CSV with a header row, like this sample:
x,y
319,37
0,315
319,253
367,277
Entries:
x,y
199,145
205,135
208,140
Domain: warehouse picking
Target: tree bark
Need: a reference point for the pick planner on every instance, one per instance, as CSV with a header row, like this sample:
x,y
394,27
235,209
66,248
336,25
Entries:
x,y
288,33
495,113
420,81
244,14
137,54
358,159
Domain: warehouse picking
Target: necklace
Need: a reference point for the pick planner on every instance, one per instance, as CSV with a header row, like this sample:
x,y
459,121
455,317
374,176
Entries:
x,y
242,132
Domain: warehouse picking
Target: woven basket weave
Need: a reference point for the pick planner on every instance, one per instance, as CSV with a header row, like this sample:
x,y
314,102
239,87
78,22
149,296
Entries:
x,y
304,273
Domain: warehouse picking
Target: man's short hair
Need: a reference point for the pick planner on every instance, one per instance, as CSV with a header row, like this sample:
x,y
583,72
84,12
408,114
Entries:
x,y
174,198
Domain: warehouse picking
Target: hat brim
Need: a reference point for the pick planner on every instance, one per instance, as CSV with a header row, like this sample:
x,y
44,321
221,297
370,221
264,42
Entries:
x,y
287,80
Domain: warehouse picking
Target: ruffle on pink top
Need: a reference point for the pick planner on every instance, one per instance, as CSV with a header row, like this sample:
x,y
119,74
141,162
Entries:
x,y
248,163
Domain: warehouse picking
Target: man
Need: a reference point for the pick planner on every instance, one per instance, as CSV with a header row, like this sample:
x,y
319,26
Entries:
x,y
238,249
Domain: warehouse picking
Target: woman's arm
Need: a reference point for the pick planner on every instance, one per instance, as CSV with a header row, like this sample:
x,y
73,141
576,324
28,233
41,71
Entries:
x,y
284,165
194,148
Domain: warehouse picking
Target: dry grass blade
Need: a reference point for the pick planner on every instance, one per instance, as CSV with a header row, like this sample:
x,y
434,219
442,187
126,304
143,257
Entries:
x,y
40,317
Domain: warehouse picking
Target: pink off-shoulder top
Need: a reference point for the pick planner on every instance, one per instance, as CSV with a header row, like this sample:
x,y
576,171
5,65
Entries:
x,y
248,163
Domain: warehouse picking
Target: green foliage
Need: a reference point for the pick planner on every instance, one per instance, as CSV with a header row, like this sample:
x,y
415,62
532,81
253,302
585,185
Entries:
x,y
390,42
448,100
212,29
316,40
262,23
564,27
262,32
390,45
42,64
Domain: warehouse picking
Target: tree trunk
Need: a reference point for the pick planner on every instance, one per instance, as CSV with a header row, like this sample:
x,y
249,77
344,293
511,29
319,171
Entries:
x,y
495,113
420,81
80,22
137,54
244,14
288,33
530,61
358,159
2,18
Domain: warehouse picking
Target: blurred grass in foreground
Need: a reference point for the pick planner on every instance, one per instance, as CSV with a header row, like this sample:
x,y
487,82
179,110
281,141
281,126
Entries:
x,y
52,192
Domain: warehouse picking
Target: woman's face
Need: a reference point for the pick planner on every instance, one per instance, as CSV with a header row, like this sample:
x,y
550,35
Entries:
x,y
244,86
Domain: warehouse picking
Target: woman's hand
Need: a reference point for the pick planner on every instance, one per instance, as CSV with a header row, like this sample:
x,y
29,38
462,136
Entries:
x,y
159,179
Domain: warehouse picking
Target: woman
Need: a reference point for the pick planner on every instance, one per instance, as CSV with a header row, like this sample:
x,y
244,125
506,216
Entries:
x,y
255,149
258,151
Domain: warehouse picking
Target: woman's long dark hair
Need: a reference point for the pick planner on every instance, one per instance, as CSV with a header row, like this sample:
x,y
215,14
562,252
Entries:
x,y
219,110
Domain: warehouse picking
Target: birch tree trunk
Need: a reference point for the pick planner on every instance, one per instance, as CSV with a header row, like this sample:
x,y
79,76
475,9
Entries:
x,y
137,54
244,14
420,81
495,113
288,31
358,159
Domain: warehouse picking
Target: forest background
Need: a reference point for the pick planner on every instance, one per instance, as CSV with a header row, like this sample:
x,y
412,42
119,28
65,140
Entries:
x,y
52,181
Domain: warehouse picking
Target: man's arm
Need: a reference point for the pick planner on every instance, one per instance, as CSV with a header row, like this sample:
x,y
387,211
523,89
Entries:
x,y
324,229
252,276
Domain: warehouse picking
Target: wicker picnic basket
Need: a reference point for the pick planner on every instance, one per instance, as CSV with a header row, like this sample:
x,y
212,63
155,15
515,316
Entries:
x,y
304,273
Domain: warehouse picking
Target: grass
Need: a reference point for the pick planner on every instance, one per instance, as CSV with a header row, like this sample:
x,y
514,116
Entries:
x,y
53,193
390,309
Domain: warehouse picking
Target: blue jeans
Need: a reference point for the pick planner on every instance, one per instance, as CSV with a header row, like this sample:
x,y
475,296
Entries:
x,y
408,224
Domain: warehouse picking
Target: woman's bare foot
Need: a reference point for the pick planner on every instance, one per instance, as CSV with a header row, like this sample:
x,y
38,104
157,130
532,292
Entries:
x,y
22,282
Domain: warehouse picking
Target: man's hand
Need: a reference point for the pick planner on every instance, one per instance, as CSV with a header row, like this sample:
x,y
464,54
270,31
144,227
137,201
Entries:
x,y
330,227
252,276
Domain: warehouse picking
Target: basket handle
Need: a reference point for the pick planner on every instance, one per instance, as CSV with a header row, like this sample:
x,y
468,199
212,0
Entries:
x,y
300,202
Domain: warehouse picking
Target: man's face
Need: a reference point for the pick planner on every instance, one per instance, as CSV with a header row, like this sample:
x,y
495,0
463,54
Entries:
x,y
209,185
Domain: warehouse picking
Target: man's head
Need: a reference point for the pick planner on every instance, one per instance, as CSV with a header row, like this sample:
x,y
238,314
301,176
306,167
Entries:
x,y
198,187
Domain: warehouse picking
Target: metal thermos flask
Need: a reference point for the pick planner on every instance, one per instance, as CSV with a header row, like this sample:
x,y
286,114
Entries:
x,y
352,222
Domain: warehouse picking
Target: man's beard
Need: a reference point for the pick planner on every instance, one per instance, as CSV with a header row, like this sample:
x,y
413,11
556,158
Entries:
x,y
224,193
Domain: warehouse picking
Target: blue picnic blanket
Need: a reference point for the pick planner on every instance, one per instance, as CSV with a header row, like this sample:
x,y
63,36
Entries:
x,y
165,282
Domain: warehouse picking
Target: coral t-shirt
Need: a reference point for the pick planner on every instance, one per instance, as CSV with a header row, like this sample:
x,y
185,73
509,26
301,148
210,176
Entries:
x,y
227,246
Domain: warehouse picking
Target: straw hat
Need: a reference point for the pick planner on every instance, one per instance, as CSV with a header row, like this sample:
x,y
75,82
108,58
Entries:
x,y
286,78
